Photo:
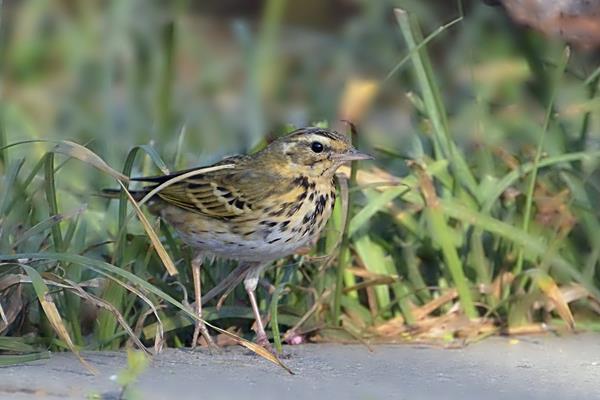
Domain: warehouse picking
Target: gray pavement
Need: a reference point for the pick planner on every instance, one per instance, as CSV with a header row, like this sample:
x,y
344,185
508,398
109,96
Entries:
x,y
543,367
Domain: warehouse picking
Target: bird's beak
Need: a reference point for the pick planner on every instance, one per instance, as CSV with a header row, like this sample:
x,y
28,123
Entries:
x,y
352,155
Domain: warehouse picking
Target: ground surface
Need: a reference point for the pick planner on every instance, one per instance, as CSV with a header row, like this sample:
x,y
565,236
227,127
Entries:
x,y
498,368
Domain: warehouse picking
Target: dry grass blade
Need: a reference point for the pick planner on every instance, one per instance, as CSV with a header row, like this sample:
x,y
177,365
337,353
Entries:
x,y
54,280
3,315
99,302
139,327
434,304
261,351
380,281
375,177
293,331
84,154
53,315
103,268
160,250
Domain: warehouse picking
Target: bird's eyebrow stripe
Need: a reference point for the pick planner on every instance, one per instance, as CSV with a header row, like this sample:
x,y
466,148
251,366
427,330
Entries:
x,y
327,134
319,132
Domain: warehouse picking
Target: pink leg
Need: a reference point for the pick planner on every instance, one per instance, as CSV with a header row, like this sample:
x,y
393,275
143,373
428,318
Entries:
x,y
200,327
250,283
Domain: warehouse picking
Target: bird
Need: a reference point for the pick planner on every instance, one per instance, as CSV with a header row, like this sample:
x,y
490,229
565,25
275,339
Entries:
x,y
254,209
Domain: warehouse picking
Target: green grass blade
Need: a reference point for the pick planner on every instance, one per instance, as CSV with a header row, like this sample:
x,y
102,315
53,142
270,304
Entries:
x,y
442,234
45,225
9,181
509,179
6,360
3,153
538,154
373,257
418,47
50,188
533,244
432,99
15,344
279,287
375,204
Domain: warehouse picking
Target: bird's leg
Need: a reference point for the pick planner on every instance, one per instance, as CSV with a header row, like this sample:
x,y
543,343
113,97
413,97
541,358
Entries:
x,y
200,328
250,283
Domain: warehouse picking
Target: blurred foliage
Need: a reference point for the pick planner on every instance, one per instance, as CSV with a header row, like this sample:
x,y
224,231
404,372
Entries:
x,y
479,215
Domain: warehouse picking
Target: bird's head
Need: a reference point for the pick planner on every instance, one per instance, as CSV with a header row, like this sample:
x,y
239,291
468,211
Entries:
x,y
314,152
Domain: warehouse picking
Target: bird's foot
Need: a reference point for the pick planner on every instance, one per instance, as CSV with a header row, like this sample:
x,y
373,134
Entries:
x,y
263,341
202,337
212,346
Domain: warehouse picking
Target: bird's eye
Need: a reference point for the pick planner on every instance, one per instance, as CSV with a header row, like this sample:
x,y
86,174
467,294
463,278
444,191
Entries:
x,y
317,147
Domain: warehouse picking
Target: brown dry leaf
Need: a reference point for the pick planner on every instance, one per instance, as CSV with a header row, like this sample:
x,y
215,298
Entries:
x,y
392,328
448,330
552,291
11,304
574,292
453,327
357,98
575,21
553,209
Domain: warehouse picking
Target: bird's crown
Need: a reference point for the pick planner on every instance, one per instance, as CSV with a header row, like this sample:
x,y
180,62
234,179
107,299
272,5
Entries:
x,y
312,151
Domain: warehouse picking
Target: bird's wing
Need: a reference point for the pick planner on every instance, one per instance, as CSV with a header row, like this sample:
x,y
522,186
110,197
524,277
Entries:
x,y
219,194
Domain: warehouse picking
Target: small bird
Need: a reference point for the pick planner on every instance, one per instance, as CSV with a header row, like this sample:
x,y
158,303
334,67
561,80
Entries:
x,y
256,209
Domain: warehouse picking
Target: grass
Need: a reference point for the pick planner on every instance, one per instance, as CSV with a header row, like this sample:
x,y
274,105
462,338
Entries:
x,y
479,216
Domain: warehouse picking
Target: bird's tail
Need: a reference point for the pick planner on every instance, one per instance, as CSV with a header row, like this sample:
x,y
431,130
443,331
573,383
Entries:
x,y
115,193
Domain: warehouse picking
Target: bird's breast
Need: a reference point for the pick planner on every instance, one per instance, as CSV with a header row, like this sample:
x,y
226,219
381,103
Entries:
x,y
277,226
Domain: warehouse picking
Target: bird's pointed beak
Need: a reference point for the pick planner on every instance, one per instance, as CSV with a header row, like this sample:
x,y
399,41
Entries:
x,y
352,155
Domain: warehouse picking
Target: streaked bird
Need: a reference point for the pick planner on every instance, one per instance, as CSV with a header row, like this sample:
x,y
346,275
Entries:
x,y
256,209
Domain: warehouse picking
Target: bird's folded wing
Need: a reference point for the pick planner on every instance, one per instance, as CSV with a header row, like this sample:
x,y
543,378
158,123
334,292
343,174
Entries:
x,y
225,194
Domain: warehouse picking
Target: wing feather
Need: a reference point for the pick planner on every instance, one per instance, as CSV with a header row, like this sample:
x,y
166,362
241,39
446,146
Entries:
x,y
221,194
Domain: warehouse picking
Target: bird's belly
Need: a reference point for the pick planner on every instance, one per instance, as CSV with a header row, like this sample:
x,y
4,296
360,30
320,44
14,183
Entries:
x,y
231,246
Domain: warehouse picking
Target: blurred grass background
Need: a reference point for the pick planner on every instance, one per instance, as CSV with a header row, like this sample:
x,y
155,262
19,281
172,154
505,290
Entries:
x,y
479,215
